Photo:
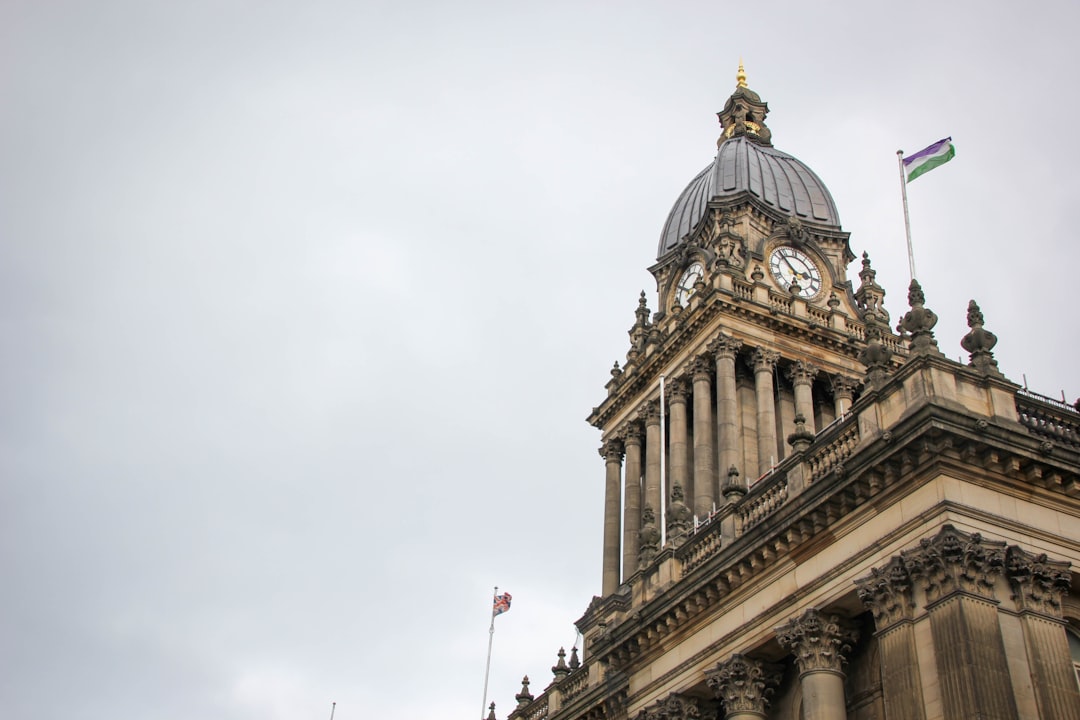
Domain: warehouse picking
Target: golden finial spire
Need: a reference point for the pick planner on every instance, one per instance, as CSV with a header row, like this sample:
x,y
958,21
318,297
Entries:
x,y
740,77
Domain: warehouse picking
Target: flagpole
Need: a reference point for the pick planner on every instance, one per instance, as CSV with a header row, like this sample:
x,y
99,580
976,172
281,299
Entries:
x,y
487,666
907,219
663,444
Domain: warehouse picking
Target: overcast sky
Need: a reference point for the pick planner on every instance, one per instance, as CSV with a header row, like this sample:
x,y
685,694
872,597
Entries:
x,y
303,305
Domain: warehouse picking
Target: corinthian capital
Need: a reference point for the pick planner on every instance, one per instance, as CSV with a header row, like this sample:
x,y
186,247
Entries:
x,y
612,450
887,593
677,392
725,346
765,359
843,387
744,684
802,373
954,561
651,413
702,368
673,707
1038,583
817,640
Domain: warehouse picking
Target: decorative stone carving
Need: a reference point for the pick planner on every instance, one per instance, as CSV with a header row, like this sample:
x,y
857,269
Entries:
x,y
887,593
649,538
801,439
817,640
633,434
796,231
491,712
744,684
919,323
765,359
524,697
870,296
979,342
674,707
843,387
801,372
680,518
574,663
677,392
560,669
725,346
732,489
1037,582
875,356
612,450
651,413
702,368
954,561
757,274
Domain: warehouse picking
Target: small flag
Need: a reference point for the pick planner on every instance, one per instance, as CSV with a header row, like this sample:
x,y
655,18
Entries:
x,y
502,604
926,160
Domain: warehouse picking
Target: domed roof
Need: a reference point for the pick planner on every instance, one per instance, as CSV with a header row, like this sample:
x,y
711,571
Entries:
x,y
779,180
746,162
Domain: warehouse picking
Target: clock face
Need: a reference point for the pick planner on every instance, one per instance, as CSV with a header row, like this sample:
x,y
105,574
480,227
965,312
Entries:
x,y
789,265
686,283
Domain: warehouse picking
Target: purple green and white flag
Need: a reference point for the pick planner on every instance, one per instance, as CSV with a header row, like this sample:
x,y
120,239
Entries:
x,y
926,160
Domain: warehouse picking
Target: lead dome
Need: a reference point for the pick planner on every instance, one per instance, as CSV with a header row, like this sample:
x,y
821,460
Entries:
x,y
747,164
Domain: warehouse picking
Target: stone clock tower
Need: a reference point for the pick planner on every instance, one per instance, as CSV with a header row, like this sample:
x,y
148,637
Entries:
x,y
807,514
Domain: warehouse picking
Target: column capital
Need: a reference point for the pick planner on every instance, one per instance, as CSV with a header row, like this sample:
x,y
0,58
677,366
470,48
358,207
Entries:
x,y
612,450
765,360
843,387
954,561
801,372
633,433
724,346
677,393
673,707
818,640
887,593
650,414
744,684
1038,583
702,368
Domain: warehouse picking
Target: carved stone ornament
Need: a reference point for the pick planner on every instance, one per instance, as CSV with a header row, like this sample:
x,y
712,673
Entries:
x,y
887,593
674,707
801,372
680,518
875,355
725,346
796,231
524,697
817,640
843,387
1037,582
979,342
919,323
744,684
560,669
612,451
648,538
954,561
765,360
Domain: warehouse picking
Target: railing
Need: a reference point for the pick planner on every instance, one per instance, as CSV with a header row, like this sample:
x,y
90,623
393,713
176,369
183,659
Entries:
x,y
743,290
702,545
780,303
819,316
574,684
1048,418
836,451
762,502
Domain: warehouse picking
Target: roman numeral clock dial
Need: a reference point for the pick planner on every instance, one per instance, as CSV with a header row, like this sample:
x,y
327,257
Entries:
x,y
789,265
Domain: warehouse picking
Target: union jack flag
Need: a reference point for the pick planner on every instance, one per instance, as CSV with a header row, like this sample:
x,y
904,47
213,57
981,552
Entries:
x,y
502,604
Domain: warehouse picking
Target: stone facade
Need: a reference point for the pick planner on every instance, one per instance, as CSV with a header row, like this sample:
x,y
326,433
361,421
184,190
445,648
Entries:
x,y
848,524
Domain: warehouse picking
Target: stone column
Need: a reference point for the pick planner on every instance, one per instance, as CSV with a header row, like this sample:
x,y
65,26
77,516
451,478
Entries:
x,y
612,451
843,390
802,380
957,572
679,442
768,452
652,456
729,441
704,473
819,641
887,593
744,685
1038,585
632,499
